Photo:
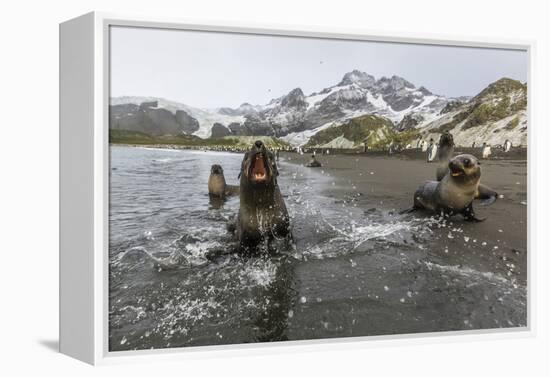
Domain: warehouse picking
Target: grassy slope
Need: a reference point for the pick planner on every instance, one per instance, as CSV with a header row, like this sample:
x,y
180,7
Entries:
x,y
140,138
490,105
378,131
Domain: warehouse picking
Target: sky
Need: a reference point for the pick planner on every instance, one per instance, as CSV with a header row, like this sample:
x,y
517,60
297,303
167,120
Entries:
x,y
211,69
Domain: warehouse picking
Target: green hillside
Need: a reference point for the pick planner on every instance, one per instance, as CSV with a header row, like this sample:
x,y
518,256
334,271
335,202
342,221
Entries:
x,y
140,138
378,132
499,100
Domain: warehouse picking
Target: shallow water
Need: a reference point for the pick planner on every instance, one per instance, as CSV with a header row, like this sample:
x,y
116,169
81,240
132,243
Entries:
x,y
352,271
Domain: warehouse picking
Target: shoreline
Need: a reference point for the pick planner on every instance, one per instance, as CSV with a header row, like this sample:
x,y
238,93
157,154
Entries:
x,y
497,245
516,153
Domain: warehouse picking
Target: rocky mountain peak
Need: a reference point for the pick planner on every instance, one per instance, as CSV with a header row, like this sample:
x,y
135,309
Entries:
x,y
360,78
394,83
503,86
295,98
424,91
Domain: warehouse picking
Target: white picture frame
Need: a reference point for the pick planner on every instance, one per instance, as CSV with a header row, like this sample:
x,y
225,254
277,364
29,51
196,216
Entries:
x,y
84,188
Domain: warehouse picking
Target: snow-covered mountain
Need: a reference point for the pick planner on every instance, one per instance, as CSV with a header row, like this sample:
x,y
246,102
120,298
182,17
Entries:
x,y
134,121
358,93
296,117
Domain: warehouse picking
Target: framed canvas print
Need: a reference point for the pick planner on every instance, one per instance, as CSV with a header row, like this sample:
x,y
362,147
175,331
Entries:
x,y
226,187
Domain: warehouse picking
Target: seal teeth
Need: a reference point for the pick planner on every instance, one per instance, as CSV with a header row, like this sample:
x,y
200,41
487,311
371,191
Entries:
x,y
259,171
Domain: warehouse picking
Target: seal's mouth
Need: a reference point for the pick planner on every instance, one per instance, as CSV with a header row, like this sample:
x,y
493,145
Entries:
x,y
456,171
258,168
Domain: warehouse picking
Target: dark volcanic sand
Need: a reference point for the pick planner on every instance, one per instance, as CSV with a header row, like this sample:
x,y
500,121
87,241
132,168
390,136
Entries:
x,y
457,275
357,267
388,182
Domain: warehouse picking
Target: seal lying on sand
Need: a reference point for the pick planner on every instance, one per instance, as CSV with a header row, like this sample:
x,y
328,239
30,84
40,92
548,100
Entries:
x,y
455,193
217,186
262,213
444,154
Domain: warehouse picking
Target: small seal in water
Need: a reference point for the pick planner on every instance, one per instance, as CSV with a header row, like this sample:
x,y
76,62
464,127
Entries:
x,y
444,154
217,187
313,163
455,193
262,213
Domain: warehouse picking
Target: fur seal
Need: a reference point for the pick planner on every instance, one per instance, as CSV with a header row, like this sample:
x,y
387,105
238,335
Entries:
x,y
444,154
455,193
217,186
262,213
313,163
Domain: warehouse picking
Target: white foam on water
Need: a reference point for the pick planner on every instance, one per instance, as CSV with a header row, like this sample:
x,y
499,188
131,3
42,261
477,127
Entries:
x,y
468,272
365,233
195,253
258,273
183,312
138,312
135,255
160,149
214,153
163,160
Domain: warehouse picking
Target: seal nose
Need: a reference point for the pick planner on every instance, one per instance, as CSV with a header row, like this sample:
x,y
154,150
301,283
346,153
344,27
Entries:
x,y
258,143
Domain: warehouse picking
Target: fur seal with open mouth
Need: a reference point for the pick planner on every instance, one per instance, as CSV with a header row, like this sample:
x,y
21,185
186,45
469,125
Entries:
x,y
444,154
217,187
455,193
262,213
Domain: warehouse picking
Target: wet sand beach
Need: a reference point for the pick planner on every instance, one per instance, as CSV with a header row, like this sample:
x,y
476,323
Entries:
x,y
356,268
498,244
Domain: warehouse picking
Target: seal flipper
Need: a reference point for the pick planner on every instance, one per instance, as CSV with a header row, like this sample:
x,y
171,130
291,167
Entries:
x,y
486,195
470,215
232,225
408,210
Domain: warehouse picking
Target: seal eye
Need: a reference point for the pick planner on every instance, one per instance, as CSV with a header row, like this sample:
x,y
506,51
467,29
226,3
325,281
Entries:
x,y
258,143
467,162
